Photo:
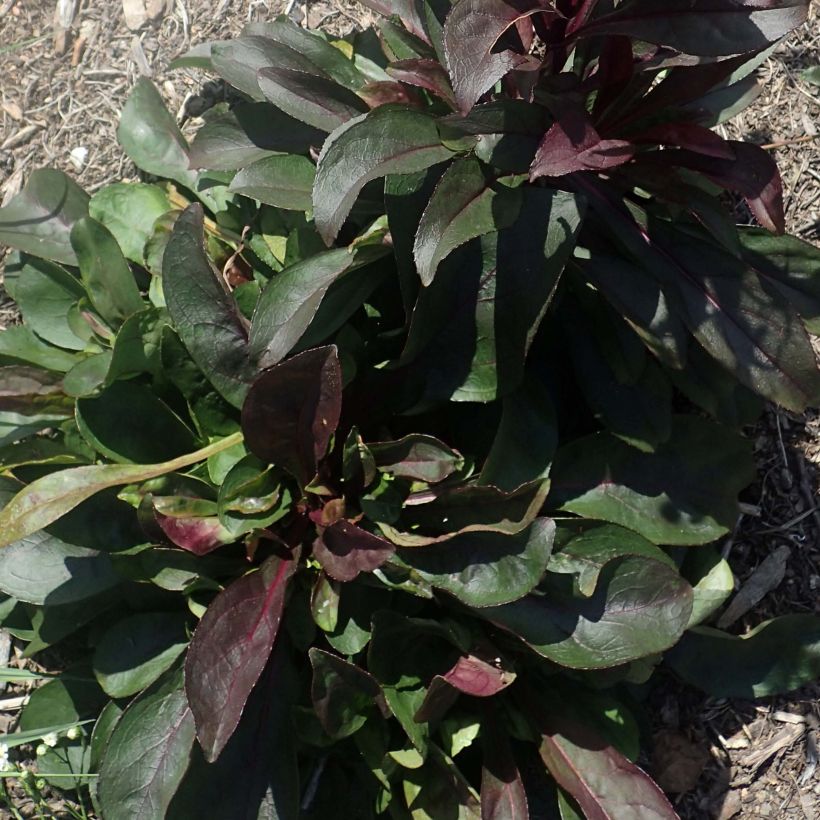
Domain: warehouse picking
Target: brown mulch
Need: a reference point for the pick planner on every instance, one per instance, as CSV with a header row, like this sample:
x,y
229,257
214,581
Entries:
x,y
59,105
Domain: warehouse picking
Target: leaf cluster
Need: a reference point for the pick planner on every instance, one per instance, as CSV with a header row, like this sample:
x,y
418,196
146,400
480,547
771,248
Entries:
x,y
376,445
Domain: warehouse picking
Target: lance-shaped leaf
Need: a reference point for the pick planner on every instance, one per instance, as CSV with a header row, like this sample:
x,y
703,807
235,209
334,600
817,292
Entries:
x,y
417,457
463,207
39,219
776,657
342,693
468,508
31,390
502,790
472,30
48,498
426,74
683,493
640,607
104,271
703,27
572,144
789,265
386,141
470,675
231,647
292,411
344,550
289,302
238,61
318,101
150,136
189,523
406,10
281,181
205,313
687,135
587,554
146,757
604,783
485,569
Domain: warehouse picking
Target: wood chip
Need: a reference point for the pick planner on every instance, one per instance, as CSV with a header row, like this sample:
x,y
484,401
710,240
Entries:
x,y
760,583
20,137
782,740
13,110
139,12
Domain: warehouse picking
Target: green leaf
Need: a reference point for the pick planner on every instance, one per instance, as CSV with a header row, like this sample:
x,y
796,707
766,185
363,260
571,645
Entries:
x,y
45,294
39,219
776,657
88,375
463,206
149,134
588,553
69,699
129,423
146,757
811,75
204,312
280,181
289,302
12,674
485,569
137,346
104,271
129,210
251,497
417,457
48,498
388,140
18,343
525,441
712,580
133,653
640,607
684,493
320,102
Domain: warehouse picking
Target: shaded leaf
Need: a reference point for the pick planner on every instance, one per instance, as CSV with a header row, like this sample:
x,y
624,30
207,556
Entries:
x,y
424,73
39,219
230,648
281,181
146,757
386,141
31,390
344,550
775,657
205,313
321,103
292,411
640,607
683,493
502,790
290,301
485,569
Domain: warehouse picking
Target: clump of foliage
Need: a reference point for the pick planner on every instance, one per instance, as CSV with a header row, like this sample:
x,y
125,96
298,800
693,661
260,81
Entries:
x,y
373,456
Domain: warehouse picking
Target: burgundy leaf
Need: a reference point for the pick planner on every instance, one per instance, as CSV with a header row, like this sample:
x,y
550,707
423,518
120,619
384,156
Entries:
x,y
471,31
616,67
417,457
292,410
583,11
385,93
344,550
573,144
197,535
230,648
427,74
502,790
470,676
406,11
687,135
752,173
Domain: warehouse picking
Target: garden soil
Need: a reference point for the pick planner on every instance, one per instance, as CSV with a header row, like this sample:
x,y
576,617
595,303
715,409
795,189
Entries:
x,y
65,71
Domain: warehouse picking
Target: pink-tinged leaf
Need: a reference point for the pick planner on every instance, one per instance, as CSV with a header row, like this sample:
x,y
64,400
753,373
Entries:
x,y
292,411
344,550
426,74
689,136
405,10
230,648
573,144
31,390
582,12
471,31
383,92
752,173
604,783
502,790
470,675
197,535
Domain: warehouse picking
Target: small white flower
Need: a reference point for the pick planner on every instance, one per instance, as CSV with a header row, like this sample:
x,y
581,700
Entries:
x,y
73,733
50,739
77,156
5,764
41,750
40,784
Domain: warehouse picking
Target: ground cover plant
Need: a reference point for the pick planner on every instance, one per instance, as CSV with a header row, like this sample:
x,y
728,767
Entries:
x,y
373,452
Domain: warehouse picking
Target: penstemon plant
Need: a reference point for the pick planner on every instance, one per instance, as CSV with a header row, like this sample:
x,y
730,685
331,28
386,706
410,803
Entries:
x,y
374,450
